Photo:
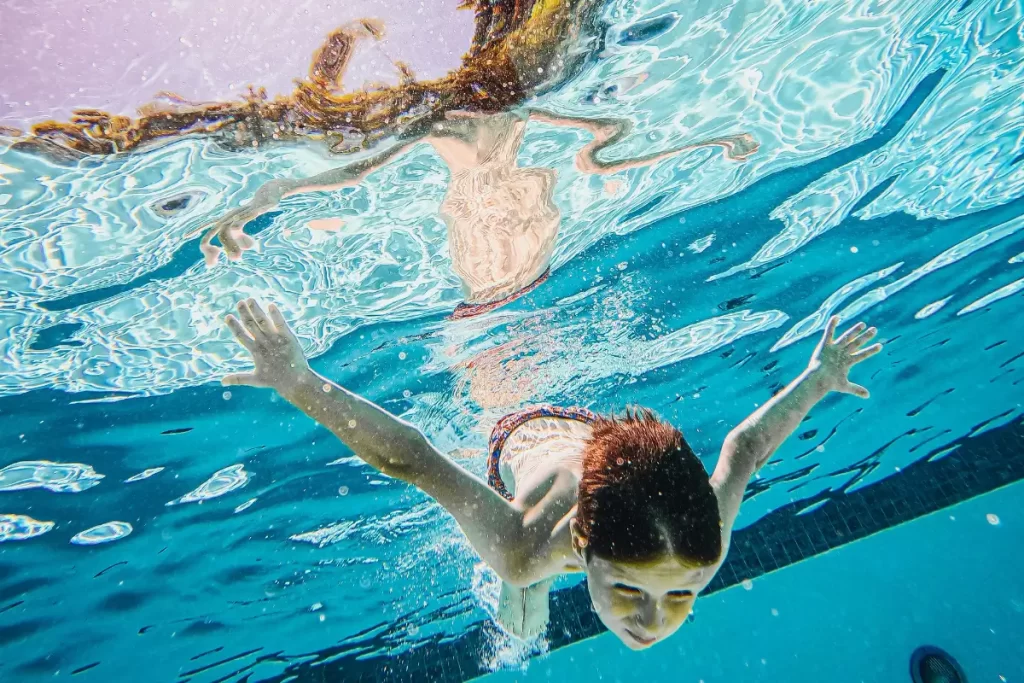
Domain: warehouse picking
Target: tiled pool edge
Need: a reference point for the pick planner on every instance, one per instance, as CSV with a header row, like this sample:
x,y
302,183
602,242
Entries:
x,y
978,465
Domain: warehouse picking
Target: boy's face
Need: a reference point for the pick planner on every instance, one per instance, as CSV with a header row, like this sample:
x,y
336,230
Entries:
x,y
645,603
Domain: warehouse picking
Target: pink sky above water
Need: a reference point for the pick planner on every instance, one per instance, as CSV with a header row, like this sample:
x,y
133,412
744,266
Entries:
x,y
115,55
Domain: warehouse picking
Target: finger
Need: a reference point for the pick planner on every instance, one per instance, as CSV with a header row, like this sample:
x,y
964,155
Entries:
x,y
279,322
228,238
259,316
864,354
243,337
210,252
856,390
851,333
830,328
249,320
248,379
245,242
861,339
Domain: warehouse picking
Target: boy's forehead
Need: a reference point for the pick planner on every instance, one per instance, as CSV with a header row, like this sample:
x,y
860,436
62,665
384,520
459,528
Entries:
x,y
663,569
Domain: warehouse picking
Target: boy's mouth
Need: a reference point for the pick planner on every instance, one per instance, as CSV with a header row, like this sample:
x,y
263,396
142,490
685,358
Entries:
x,y
643,641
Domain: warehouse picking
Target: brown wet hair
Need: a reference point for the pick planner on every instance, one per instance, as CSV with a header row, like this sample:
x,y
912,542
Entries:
x,y
644,493
519,50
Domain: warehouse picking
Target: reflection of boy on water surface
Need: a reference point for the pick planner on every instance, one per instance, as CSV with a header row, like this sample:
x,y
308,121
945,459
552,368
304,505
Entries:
x,y
502,219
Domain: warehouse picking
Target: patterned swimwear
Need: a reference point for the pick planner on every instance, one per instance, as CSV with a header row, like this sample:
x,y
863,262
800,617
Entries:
x,y
506,425
472,310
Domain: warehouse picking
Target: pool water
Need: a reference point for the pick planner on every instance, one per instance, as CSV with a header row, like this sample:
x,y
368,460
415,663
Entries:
x,y
201,533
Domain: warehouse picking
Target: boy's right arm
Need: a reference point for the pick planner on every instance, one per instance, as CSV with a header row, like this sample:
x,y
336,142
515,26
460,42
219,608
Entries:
x,y
508,536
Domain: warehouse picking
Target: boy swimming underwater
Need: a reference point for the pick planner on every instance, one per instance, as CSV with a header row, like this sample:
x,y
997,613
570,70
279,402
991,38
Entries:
x,y
623,499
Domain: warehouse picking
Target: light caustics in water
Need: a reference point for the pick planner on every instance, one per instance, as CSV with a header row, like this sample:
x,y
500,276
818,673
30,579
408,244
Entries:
x,y
246,505
221,483
145,474
21,527
946,258
815,322
102,533
932,308
992,297
701,338
701,245
933,173
59,477
69,232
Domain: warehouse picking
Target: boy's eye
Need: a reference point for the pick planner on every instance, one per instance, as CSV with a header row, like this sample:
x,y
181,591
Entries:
x,y
626,590
680,595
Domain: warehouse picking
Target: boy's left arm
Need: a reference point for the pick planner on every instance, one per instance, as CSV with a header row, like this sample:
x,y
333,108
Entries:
x,y
753,441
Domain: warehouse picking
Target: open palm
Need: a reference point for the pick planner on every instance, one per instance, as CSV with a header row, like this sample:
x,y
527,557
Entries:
x,y
835,356
279,359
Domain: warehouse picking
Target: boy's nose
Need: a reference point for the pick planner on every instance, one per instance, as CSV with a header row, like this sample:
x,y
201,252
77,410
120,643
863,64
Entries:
x,y
651,618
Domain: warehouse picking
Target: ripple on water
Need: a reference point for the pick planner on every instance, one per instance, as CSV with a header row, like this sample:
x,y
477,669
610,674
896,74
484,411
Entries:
x,y
222,482
932,308
816,321
957,252
21,527
992,297
104,533
59,477
953,155
145,474
697,246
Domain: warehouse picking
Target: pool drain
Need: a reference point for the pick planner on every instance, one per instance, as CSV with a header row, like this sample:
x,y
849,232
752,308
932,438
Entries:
x,y
932,665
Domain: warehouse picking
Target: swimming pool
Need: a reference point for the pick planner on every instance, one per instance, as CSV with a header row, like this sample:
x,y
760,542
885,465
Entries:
x,y
887,185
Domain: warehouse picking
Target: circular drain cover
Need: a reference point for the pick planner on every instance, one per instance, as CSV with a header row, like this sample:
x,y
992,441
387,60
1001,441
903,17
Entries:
x,y
931,665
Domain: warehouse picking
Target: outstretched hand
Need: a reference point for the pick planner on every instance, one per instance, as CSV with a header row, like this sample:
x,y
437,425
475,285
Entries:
x,y
835,356
229,229
280,362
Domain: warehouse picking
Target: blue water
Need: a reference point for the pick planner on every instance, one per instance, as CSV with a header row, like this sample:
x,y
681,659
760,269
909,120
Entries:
x,y
888,187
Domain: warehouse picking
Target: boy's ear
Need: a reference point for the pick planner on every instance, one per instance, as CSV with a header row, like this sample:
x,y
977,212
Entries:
x,y
579,541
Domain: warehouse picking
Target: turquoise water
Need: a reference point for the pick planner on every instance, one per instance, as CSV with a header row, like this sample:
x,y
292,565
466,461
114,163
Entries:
x,y
887,187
